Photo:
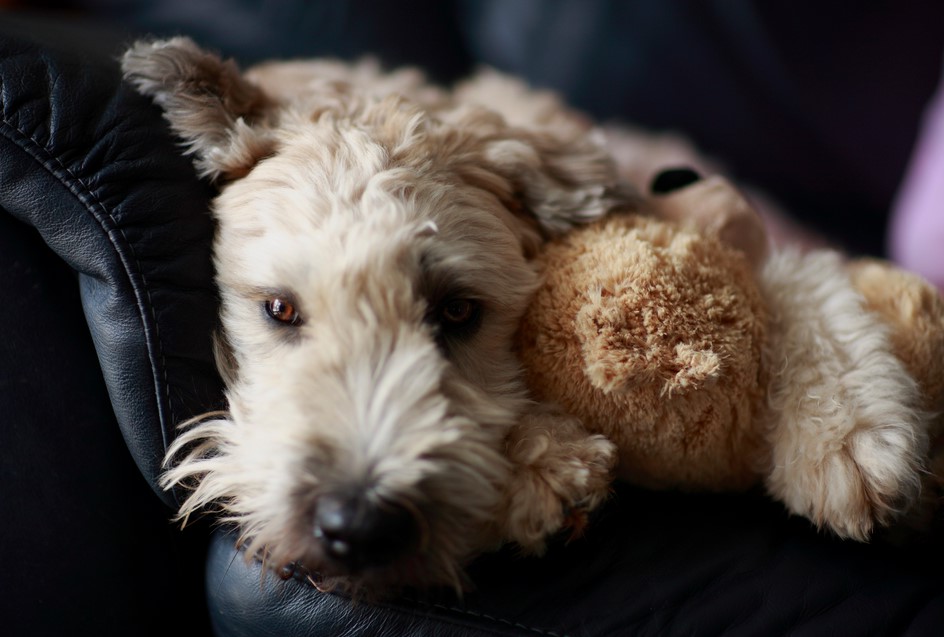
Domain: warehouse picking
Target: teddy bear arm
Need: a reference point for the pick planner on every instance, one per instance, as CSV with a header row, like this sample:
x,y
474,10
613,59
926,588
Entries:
x,y
913,310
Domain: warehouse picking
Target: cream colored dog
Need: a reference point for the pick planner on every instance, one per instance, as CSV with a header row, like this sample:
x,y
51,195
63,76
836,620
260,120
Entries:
x,y
373,253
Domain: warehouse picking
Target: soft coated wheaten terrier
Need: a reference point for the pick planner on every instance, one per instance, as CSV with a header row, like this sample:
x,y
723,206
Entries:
x,y
373,259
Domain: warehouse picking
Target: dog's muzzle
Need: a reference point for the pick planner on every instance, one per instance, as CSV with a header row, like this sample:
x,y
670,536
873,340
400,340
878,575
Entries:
x,y
357,534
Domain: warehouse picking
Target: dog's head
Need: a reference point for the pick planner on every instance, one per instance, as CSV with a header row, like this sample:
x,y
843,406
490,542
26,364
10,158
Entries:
x,y
373,258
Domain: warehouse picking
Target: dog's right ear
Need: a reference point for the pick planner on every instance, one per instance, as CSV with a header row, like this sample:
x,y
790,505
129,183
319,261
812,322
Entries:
x,y
206,100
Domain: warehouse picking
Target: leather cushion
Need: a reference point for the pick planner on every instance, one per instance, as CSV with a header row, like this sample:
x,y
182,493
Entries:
x,y
91,165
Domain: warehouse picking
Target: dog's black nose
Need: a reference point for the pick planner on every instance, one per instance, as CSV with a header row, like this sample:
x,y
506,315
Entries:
x,y
357,533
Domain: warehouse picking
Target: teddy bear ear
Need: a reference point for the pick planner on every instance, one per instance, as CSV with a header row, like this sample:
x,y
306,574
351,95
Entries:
x,y
206,100
620,358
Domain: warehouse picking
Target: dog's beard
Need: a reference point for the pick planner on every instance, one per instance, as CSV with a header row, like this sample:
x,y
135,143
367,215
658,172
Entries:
x,y
446,465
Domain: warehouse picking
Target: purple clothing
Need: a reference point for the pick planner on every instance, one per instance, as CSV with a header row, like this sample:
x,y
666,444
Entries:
x,y
916,231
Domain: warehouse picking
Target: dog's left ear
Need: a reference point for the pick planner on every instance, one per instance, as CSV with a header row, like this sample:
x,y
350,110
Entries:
x,y
206,100
561,181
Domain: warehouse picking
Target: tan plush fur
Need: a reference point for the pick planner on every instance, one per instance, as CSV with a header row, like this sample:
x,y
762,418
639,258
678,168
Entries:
x,y
715,368
369,205
652,335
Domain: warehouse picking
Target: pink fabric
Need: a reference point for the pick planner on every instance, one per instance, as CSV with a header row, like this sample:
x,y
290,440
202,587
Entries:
x,y
916,232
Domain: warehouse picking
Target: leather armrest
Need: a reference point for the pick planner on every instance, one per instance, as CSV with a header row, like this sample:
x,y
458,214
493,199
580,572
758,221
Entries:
x,y
91,165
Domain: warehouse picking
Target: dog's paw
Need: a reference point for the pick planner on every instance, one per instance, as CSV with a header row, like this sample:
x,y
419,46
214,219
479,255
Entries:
x,y
867,480
560,476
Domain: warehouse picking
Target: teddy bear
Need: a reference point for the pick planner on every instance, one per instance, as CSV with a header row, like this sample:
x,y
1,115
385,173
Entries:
x,y
716,363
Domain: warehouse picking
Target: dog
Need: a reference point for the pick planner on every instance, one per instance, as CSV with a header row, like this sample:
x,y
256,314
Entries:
x,y
374,256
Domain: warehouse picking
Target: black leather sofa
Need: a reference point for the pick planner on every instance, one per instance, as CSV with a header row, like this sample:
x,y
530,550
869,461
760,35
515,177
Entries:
x,y
108,305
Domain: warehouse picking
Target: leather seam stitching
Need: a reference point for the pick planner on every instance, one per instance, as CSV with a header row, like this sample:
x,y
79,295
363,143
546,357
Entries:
x,y
478,615
45,158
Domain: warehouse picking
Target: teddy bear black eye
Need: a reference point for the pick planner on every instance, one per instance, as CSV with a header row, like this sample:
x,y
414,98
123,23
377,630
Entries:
x,y
282,310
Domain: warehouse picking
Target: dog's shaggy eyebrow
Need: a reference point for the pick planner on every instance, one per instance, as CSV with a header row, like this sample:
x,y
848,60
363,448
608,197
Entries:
x,y
441,280
261,293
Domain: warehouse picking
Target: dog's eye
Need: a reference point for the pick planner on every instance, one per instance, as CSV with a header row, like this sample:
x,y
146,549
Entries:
x,y
458,313
283,311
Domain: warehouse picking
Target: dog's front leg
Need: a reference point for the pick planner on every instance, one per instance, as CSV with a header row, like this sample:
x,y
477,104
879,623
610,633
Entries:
x,y
847,435
560,472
